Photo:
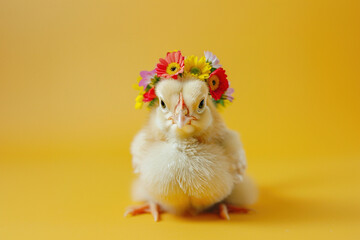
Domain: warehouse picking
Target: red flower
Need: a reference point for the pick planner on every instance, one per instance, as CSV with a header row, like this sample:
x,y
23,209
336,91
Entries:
x,y
218,83
149,95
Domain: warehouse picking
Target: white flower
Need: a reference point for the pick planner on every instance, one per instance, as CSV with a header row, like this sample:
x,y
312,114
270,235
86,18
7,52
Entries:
x,y
212,59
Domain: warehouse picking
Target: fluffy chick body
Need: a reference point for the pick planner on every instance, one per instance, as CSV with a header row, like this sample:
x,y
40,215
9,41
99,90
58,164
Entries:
x,y
191,169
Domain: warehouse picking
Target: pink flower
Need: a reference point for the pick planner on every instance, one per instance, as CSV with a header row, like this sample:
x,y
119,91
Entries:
x,y
146,77
228,94
171,66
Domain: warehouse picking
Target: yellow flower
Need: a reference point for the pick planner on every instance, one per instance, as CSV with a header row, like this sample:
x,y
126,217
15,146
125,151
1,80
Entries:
x,y
139,101
140,97
197,67
136,85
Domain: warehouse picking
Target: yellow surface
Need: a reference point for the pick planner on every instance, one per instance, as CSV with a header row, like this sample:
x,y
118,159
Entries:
x,y
67,116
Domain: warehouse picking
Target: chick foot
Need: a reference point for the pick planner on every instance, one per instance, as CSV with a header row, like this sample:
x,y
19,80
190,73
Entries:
x,y
224,210
152,208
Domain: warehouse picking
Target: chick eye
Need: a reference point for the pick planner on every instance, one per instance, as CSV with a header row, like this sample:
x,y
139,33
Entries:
x,y
201,104
162,104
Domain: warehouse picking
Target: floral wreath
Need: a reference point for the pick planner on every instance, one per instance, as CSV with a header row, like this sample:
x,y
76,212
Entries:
x,y
174,65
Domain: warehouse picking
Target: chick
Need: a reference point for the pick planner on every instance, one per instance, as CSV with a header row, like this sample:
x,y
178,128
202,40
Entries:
x,y
186,159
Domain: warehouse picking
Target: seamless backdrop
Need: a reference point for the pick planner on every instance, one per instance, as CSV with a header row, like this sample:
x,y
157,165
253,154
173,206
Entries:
x,y
67,113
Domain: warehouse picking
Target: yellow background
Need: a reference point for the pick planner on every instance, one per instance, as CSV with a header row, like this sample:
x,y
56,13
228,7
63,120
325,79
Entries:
x,y
67,116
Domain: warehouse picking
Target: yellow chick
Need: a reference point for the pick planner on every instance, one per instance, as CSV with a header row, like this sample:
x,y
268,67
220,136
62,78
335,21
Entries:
x,y
186,159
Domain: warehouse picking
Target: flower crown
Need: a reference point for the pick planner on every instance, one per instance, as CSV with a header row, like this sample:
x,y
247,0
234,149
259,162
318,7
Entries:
x,y
175,65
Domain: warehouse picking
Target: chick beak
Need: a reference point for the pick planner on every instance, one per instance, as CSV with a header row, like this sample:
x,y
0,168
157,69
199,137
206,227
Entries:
x,y
181,116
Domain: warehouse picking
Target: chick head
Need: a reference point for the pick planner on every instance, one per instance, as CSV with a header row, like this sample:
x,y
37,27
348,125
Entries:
x,y
184,107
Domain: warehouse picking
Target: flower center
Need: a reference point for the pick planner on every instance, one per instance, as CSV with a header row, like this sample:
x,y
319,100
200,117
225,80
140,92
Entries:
x,y
172,68
195,71
213,82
